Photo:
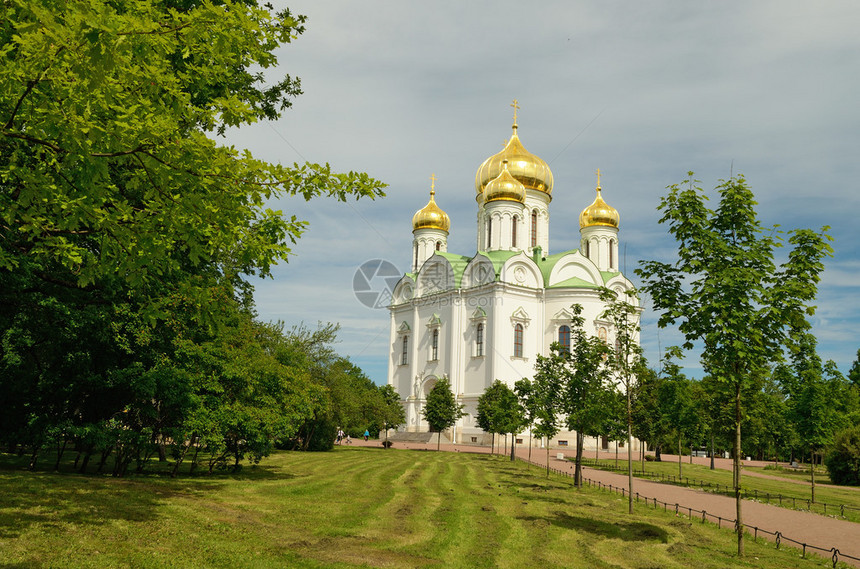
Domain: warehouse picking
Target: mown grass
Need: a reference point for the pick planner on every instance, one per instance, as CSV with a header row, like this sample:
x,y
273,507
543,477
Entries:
x,y
762,489
354,507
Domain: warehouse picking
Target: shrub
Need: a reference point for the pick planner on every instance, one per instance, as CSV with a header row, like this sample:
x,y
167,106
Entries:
x,y
843,458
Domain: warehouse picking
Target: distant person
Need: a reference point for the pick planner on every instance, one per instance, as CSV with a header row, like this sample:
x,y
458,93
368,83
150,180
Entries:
x,y
339,435
348,440
366,434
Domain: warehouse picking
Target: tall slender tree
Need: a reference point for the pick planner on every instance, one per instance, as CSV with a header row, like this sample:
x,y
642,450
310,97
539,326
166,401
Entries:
x,y
626,360
726,292
441,409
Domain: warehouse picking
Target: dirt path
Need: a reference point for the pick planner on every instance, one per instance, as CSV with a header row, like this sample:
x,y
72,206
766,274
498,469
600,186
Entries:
x,y
816,530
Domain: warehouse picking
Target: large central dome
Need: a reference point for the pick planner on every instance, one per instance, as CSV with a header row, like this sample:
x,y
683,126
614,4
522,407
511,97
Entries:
x,y
529,170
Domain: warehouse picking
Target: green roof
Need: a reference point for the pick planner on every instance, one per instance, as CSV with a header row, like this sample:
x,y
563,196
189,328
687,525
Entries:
x,y
574,282
498,258
458,264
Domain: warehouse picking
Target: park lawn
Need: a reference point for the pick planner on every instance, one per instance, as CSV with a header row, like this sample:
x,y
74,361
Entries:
x,y
353,507
762,489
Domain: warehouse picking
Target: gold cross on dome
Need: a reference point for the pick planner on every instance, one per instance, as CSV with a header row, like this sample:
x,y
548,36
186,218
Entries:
x,y
598,177
516,106
433,183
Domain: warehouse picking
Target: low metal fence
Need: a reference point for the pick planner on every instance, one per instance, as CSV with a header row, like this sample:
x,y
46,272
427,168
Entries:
x,y
835,555
754,494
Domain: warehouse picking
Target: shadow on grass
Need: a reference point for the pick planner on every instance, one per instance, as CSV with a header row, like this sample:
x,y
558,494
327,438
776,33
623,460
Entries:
x,y
627,531
47,499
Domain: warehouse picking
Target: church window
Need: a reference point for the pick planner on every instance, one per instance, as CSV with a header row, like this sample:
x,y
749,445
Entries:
x,y
416,257
434,348
479,340
404,357
438,245
489,231
612,254
564,338
534,228
514,233
588,249
518,341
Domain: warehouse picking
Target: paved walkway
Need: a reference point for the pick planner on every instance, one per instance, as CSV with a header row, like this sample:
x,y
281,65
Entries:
x,y
816,530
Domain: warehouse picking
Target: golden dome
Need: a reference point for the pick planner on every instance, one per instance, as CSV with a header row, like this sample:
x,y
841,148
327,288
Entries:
x,y
505,187
431,216
528,169
599,213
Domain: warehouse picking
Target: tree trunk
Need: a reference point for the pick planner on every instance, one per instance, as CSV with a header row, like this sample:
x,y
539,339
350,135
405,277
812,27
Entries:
x,y
597,448
513,445
577,473
737,469
691,455
439,441
547,457
531,444
812,473
87,454
658,454
616,455
712,451
680,474
61,449
630,452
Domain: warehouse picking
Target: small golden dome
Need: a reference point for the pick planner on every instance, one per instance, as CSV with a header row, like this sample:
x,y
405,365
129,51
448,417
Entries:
x,y
528,169
505,187
431,216
599,213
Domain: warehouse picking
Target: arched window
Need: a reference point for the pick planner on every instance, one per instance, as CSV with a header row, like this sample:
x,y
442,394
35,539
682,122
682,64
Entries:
x,y
588,249
518,341
514,233
564,338
489,232
416,258
434,350
404,357
479,341
612,253
438,245
534,228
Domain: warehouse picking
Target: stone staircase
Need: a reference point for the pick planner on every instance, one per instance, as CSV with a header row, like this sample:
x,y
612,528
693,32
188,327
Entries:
x,y
407,437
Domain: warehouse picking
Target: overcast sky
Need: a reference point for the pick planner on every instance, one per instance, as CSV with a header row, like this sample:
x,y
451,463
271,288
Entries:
x,y
643,91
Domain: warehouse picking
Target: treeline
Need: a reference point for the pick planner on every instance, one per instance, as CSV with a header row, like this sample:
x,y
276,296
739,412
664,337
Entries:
x,y
794,411
118,385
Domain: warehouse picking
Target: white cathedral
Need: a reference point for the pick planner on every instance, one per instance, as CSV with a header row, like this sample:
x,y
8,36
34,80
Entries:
x,y
481,317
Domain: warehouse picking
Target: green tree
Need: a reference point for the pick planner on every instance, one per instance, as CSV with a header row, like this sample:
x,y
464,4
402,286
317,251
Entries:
x,y
541,397
441,409
392,414
580,377
854,372
678,413
726,291
626,360
843,458
109,165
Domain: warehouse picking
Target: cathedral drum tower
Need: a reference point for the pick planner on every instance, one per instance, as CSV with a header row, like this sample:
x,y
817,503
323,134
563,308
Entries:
x,y
485,316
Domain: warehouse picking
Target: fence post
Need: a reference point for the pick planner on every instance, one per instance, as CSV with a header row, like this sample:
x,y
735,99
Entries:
x,y
778,539
704,513
835,556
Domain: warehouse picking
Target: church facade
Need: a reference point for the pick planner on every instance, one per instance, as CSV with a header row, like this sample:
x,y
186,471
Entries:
x,y
486,316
